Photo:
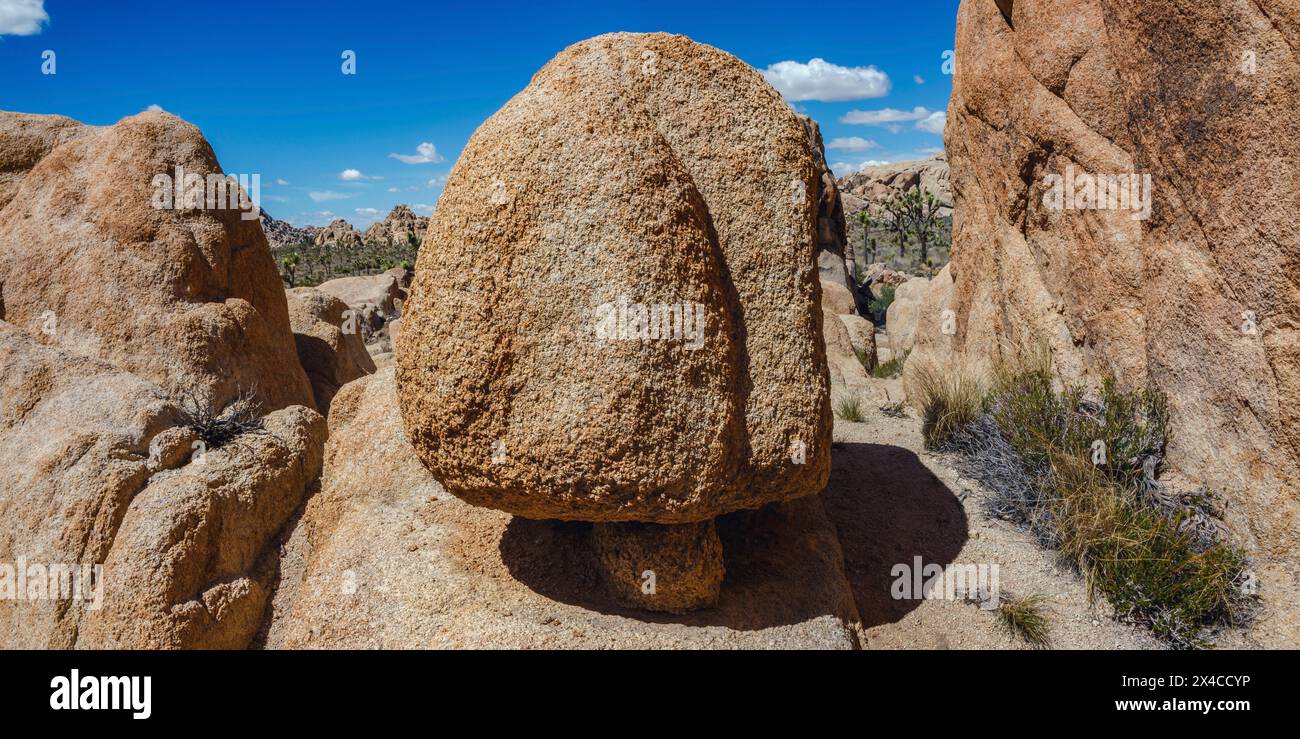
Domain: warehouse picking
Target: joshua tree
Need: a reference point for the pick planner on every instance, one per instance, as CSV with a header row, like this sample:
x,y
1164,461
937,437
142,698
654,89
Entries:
x,y
868,244
289,265
921,213
896,219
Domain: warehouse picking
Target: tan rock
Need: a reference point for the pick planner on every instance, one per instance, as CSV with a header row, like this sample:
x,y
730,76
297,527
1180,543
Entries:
x,y
534,236
329,345
1166,302
673,568
24,140
383,557
862,335
381,291
834,261
904,312
97,470
187,299
838,299
846,370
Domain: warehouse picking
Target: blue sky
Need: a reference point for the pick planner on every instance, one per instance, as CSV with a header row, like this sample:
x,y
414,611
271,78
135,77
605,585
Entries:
x,y
264,83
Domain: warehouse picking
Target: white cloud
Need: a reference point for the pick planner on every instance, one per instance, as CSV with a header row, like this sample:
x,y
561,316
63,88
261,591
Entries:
x,y
277,198
281,181
321,196
437,181
918,79
154,108
422,209
821,80
426,153
884,116
22,17
394,189
367,212
934,122
354,175
852,143
839,169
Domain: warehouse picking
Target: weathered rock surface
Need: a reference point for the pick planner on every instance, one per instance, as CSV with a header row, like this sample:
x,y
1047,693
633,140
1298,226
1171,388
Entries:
x,y
382,292
97,470
24,140
330,347
187,299
862,336
499,357
121,318
676,568
1198,300
846,370
384,557
838,299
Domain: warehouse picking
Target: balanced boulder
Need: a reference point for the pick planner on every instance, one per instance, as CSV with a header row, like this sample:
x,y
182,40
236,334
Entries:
x,y
616,311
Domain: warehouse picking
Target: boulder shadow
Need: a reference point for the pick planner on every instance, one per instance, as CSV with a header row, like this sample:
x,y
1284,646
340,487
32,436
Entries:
x,y
889,508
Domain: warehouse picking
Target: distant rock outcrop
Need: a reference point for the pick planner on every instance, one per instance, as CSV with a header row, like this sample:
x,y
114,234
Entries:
x,y
338,233
1181,275
278,233
400,226
880,182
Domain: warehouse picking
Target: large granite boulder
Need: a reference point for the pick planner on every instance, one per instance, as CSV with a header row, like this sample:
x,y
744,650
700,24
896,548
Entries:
x,y
616,311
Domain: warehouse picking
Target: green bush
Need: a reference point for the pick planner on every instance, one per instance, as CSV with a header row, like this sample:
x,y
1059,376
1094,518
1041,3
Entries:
x,y
1037,449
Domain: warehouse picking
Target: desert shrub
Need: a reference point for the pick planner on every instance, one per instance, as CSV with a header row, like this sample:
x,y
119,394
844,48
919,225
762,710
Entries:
x,y
948,401
1025,618
219,428
890,369
849,407
879,303
1036,449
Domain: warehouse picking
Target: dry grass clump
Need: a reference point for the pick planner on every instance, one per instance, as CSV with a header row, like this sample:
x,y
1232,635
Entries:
x,y
890,369
1080,472
849,408
948,401
1025,617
